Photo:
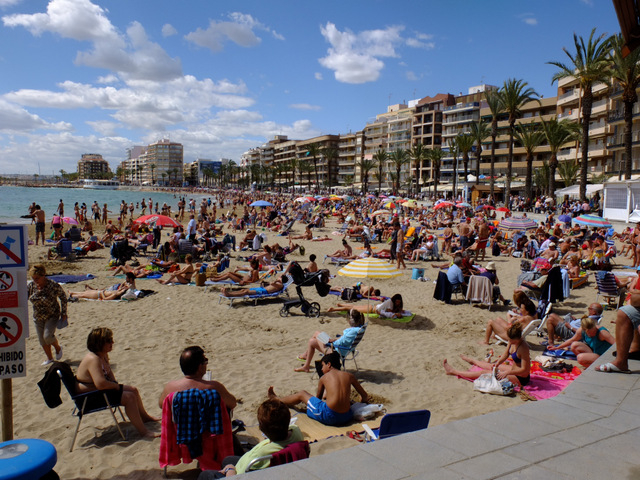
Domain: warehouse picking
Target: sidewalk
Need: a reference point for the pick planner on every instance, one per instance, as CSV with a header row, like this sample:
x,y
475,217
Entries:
x,y
591,430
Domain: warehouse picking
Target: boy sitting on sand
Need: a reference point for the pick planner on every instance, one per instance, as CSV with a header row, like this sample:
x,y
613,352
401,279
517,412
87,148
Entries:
x,y
335,387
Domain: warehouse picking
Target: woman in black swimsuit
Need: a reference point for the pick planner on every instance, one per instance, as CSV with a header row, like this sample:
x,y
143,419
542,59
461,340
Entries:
x,y
517,373
94,373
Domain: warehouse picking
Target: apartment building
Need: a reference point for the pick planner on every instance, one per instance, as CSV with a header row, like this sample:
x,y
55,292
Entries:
x,y
326,167
615,142
92,165
350,153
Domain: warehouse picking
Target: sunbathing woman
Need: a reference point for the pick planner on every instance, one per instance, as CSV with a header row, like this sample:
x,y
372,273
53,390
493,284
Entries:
x,y
264,289
517,349
94,373
112,293
390,308
325,342
307,235
499,326
139,271
251,277
183,275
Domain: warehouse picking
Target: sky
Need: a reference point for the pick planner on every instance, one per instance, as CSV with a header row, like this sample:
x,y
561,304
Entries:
x,y
221,77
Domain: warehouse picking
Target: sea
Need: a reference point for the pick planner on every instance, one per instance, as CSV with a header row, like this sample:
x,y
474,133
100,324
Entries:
x,y
15,201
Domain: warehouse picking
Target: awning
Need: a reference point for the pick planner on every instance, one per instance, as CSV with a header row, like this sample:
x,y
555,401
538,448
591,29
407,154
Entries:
x,y
574,190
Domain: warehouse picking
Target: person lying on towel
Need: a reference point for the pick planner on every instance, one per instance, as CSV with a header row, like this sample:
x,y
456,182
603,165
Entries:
x,y
335,387
264,289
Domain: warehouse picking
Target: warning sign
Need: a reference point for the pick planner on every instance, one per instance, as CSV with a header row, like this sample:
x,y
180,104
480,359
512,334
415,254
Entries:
x,y
12,246
6,280
10,329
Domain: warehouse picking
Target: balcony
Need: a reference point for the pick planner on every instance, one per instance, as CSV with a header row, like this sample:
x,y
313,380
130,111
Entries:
x,y
461,119
462,106
571,115
599,107
569,97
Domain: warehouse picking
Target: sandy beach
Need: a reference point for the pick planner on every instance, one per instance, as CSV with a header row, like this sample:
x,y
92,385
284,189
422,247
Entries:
x,y
250,348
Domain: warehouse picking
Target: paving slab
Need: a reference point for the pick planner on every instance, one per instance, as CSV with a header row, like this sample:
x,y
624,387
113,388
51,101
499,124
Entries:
x,y
490,465
556,413
601,409
467,438
583,435
620,421
535,472
352,463
513,425
538,449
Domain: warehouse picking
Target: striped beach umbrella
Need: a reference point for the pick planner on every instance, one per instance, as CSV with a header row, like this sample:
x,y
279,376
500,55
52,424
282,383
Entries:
x,y
443,205
369,268
463,204
389,205
517,223
592,221
380,212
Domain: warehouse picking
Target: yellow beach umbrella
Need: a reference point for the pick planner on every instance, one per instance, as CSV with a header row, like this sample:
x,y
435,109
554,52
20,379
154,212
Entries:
x,y
369,268
410,203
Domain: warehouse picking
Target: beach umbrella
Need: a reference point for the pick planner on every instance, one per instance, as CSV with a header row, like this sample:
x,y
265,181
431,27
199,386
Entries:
x,y
410,203
389,205
540,262
383,196
592,221
161,220
261,203
380,212
323,199
369,268
347,198
517,223
70,221
502,209
443,205
303,200
488,207
565,218
463,204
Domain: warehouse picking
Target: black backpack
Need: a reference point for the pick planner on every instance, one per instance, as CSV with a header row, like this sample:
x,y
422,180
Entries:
x,y
349,294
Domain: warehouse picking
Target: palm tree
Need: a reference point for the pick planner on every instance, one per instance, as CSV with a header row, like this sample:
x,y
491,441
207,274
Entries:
x,y
365,166
515,94
557,134
418,154
399,158
314,151
479,132
568,172
494,102
153,169
465,142
294,164
530,137
453,152
307,168
626,71
163,177
541,177
331,155
380,158
588,65
436,155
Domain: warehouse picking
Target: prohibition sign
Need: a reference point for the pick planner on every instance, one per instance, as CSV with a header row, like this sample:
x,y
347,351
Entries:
x,y
10,329
6,280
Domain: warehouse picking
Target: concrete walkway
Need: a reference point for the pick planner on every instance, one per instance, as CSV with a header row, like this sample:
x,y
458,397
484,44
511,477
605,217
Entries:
x,y
591,431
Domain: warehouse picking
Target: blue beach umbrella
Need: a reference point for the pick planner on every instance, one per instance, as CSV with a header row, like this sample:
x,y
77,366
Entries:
x,y
261,203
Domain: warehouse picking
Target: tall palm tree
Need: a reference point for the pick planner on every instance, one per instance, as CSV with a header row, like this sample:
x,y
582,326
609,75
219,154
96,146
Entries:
x,y
153,169
453,152
589,65
307,168
529,137
163,177
436,155
380,159
494,102
399,158
558,133
331,155
294,164
626,72
314,151
418,154
514,93
479,131
465,142
365,166
541,177
568,172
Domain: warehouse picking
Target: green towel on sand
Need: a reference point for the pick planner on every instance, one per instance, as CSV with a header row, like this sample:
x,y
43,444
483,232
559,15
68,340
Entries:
x,y
406,319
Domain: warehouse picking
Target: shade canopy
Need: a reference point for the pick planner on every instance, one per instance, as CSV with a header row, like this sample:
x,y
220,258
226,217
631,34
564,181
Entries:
x,y
369,268
161,220
517,223
592,221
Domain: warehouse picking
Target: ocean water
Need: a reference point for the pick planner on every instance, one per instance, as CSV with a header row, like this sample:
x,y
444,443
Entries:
x,y
15,201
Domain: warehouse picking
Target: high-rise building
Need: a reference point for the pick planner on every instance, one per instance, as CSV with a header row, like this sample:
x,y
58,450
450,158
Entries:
x,y
92,165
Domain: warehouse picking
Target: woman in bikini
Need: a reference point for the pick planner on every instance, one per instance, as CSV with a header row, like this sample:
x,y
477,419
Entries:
x,y
517,349
183,275
251,277
113,293
94,373
390,308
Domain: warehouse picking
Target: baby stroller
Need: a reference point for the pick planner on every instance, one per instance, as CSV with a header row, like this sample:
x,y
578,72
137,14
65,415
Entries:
x,y
319,279
121,252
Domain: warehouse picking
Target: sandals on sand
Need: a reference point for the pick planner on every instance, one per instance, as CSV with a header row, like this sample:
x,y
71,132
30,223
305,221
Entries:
x,y
524,395
610,368
355,435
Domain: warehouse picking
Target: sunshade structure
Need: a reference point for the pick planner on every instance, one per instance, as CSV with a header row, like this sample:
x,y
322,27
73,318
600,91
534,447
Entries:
x,y
565,218
70,220
463,204
502,209
592,221
305,199
161,220
369,268
380,212
443,205
389,205
261,203
517,223
410,204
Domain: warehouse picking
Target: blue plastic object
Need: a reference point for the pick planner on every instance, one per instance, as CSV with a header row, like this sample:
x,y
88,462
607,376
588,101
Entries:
x,y
26,459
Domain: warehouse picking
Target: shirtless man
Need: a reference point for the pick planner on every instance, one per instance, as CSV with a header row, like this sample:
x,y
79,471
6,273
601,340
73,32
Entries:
x,y
38,215
193,364
273,287
335,386
464,229
551,253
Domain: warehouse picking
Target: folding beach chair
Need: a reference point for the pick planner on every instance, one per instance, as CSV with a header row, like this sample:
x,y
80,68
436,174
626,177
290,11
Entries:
x,y
350,352
393,424
607,287
291,453
480,290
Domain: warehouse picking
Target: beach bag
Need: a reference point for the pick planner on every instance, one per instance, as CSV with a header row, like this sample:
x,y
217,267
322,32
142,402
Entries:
x,y
200,279
364,411
525,266
495,249
488,383
62,323
349,294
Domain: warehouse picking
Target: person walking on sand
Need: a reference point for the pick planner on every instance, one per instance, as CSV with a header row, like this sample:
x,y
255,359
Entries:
x,y
38,216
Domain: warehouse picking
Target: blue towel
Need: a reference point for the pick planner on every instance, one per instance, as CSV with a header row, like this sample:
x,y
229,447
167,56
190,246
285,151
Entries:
x,y
560,354
70,278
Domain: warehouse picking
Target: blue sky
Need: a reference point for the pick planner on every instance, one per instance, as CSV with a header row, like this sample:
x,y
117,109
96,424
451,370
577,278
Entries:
x,y
220,77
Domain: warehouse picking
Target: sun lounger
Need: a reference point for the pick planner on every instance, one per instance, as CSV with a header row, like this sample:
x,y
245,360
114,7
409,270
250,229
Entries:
x,y
255,298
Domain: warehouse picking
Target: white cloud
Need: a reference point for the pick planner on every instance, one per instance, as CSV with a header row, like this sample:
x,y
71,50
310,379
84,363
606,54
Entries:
x,y
411,76
239,30
15,119
305,106
529,19
104,127
168,30
421,40
318,76
131,55
108,79
354,58
8,3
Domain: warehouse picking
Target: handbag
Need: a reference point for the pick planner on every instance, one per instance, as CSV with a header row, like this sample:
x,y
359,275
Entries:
x,y
489,383
63,322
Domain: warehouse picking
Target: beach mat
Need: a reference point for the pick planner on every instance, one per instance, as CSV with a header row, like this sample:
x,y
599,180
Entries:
x,y
406,319
70,278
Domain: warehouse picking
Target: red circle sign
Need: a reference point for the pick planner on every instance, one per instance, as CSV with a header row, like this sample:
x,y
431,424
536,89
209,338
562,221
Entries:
x,y
6,280
10,329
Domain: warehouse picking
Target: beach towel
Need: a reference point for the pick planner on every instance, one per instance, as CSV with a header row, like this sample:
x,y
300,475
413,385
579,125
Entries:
x,y
406,319
61,278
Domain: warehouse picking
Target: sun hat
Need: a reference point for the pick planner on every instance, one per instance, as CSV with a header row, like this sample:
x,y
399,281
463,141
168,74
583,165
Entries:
x,y
491,266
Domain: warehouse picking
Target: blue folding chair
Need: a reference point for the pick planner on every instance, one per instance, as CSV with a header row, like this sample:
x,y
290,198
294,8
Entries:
x,y
393,424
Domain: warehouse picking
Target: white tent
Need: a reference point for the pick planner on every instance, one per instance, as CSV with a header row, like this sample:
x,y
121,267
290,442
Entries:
x,y
574,190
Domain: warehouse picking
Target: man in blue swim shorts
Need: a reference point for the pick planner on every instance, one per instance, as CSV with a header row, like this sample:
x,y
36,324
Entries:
x,y
275,286
335,387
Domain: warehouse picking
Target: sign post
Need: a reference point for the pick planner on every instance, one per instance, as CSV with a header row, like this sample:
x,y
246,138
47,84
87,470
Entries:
x,y
14,316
